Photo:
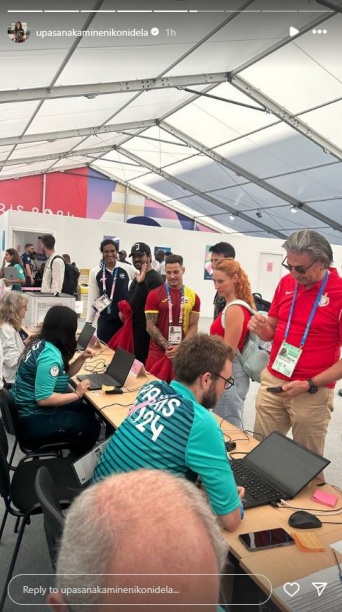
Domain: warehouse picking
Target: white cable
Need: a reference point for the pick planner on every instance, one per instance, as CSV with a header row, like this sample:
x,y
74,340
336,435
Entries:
x,y
323,512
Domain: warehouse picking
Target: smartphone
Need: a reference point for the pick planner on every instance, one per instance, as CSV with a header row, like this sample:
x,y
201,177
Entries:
x,y
263,540
275,389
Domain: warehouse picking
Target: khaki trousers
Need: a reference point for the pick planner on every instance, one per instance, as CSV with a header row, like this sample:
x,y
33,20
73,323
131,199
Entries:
x,y
307,414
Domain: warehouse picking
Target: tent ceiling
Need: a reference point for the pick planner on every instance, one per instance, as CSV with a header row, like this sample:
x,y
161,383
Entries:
x,y
144,110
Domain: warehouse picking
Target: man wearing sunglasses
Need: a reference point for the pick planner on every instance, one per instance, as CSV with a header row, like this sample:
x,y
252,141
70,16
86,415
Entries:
x,y
170,427
305,324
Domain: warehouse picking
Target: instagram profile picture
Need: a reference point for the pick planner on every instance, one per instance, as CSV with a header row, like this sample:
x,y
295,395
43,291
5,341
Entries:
x,y
18,31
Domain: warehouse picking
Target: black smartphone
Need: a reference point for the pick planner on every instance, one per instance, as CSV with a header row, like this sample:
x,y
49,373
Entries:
x,y
263,540
275,389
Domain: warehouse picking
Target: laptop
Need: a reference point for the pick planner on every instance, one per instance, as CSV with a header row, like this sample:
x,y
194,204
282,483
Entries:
x,y
11,273
116,373
85,336
278,468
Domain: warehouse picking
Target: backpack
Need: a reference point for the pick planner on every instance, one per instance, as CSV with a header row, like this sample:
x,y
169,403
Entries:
x,y
255,354
71,274
261,304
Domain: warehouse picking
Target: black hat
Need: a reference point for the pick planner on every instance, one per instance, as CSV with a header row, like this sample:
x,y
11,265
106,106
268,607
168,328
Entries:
x,y
140,247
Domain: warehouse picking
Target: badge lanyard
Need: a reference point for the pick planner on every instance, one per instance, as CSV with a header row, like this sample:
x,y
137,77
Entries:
x,y
113,285
181,310
312,313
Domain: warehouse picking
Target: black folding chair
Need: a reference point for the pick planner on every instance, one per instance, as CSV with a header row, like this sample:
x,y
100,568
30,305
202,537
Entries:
x,y
19,494
52,510
7,421
13,425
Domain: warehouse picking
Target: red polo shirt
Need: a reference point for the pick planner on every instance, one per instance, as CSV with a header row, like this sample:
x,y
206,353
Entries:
x,y
322,346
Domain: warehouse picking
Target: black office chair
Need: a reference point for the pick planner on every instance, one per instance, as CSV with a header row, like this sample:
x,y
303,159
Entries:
x,y
19,494
7,421
52,510
14,425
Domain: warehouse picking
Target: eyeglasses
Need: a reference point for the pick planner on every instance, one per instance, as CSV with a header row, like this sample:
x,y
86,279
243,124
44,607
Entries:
x,y
298,269
228,382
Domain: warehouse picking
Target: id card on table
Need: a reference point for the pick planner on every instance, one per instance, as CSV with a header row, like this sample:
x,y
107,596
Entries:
x,y
175,334
287,359
102,303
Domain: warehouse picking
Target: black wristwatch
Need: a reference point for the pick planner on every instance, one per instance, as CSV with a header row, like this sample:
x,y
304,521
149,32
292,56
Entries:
x,y
312,386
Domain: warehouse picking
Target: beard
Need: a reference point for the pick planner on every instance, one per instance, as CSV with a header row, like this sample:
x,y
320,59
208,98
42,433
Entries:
x,y
209,399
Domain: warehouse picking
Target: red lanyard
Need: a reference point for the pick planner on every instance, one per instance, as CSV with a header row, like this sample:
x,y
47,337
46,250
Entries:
x,y
181,311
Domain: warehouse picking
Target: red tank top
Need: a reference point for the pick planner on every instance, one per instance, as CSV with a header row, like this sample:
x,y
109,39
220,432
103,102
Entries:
x,y
216,328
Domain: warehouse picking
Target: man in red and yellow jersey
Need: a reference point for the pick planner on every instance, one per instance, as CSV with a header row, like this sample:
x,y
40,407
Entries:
x,y
172,313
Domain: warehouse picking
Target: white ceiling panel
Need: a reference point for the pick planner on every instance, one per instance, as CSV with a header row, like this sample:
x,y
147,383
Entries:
x,y
294,77
73,113
327,121
14,118
214,121
279,159
44,148
308,185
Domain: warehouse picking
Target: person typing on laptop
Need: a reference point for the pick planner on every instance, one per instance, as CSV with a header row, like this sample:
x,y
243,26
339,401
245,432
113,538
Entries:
x,y
170,427
47,411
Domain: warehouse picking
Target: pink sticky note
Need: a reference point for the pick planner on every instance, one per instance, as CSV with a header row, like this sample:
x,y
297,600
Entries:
x,y
136,367
327,499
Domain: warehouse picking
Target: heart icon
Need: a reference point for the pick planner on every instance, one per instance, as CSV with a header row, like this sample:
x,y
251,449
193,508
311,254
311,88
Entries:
x,y
291,588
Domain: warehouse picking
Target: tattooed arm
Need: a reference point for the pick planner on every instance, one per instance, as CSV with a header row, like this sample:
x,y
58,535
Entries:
x,y
153,331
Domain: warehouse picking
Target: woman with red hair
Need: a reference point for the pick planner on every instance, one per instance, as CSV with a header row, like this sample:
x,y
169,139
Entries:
x,y
231,282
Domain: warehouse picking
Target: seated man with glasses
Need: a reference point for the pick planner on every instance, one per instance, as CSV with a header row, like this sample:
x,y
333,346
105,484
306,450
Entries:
x,y
170,427
305,324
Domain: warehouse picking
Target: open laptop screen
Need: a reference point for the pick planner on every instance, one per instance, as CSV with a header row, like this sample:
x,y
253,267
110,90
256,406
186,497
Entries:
x,y
289,463
120,365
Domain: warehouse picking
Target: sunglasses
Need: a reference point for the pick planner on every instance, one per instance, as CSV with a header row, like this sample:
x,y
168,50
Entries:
x,y
228,382
298,269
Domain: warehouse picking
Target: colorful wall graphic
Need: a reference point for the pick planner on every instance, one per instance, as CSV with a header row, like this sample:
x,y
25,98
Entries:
x,y
86,193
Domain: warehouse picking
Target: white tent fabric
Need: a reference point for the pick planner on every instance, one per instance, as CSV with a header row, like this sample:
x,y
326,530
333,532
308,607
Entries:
x,y
222,115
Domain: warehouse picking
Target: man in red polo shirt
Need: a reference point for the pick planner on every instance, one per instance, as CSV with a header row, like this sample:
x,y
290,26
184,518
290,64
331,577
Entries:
x,y
305,324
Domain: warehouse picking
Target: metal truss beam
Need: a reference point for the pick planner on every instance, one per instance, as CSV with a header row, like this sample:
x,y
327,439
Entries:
x,y
198,192
263,184
77,133
99,89
223,161
18,175
52,156
284,115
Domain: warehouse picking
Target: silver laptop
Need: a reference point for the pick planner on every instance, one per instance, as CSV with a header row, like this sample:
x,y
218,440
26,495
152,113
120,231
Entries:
x,y
85,336
116,373
11,273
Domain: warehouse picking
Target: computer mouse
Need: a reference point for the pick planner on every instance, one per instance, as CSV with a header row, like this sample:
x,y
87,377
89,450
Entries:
x,y
304,520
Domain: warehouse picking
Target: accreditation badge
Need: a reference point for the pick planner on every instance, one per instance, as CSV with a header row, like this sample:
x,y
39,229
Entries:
x,y
102,303
287,359
175,334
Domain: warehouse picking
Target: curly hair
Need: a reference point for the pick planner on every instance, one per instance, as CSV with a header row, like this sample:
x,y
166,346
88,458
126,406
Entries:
x,y
10,307
242,288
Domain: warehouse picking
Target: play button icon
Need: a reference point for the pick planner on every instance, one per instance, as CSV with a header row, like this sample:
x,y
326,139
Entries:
x,y
293,31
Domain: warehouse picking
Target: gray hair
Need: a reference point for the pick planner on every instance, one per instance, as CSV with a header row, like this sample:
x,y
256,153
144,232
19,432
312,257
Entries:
x,y
312,243
100,520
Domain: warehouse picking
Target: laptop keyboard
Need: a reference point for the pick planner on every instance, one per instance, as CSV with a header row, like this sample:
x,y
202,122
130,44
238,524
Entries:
x,y
254,484
102,379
